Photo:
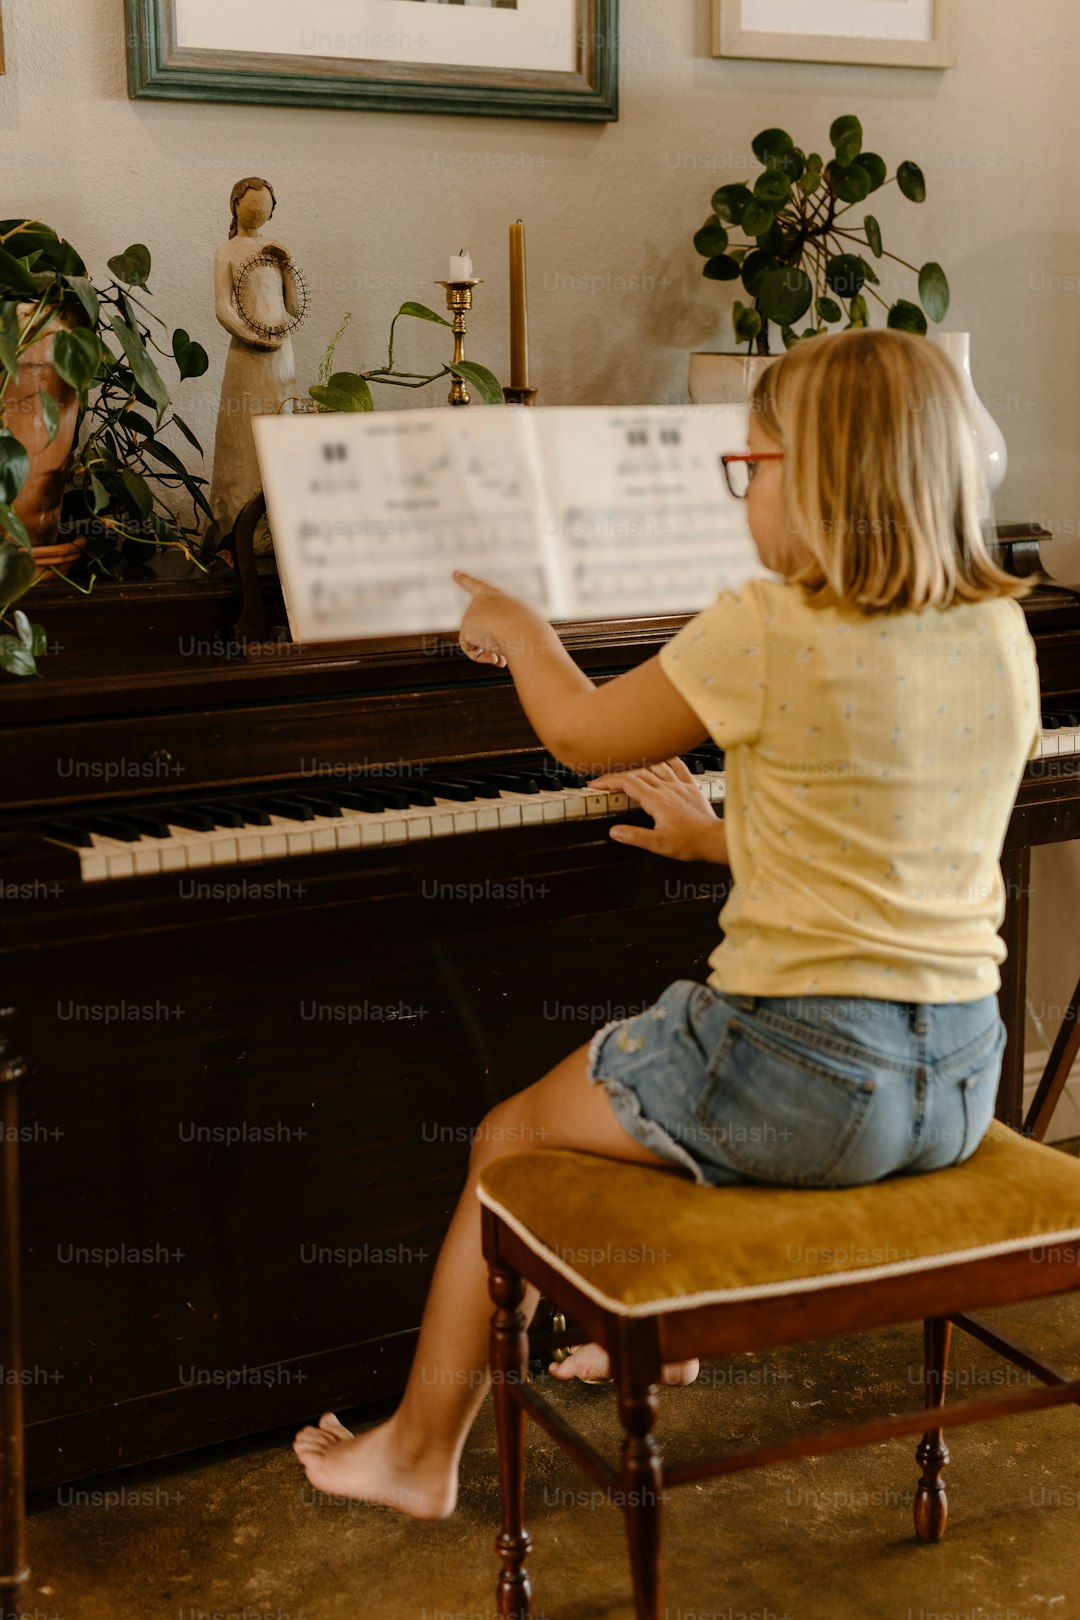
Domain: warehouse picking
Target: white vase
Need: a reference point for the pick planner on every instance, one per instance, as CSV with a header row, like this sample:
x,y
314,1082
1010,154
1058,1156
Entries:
x,y
725,379
989,439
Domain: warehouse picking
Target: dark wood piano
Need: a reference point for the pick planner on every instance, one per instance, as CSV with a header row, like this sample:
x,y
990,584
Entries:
x,y
251,1085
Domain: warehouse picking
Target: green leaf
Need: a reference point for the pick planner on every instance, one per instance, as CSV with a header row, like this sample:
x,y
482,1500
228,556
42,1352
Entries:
x,y
873,235
728,203
754,267
711,239
422,313
485,382
907,317
757,217
875,168
851,184
869,272
167,457
132,267
143,369
100,499
747,323
845,275
859,311
141,496
17,569
191,358
9,358
810,182
771,143
50,414
829,309
784,294
15,658
12,524
912,182
772,187
86,295
140,424
14,467
346,391
722,268
76,356
934,291
846,137
15,275
790,338
186,431
24,629
791,163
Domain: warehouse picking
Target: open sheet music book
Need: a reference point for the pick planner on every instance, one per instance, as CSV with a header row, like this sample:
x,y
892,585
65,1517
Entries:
x,y
584,513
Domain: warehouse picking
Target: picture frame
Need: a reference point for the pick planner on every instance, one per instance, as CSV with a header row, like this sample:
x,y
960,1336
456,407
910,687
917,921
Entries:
x,y
551,59
842,31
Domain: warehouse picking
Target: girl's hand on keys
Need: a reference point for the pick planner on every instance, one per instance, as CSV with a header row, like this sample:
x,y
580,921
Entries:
x,y
686,828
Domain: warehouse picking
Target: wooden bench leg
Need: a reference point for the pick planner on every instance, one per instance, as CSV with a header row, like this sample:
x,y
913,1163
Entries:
x,y
509,1366
932,1454
642,1487
13,1570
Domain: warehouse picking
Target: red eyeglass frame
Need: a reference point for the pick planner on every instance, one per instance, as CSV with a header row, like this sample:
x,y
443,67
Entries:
x,y
752,460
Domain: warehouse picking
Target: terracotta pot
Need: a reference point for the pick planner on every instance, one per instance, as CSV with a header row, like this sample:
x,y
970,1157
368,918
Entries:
x,y
39,501
59,559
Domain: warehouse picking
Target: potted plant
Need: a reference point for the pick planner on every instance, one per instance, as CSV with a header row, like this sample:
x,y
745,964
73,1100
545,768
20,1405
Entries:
x,y
77,364
803,256
351,390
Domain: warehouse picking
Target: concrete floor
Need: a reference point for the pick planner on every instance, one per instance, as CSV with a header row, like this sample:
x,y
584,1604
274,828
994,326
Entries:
x,y
237,1534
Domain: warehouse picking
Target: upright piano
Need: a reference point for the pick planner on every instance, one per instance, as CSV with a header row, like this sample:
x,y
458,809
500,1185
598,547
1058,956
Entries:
x,y
279,927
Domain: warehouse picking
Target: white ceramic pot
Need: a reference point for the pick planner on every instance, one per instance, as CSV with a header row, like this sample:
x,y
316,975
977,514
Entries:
x,y
989,439
725,379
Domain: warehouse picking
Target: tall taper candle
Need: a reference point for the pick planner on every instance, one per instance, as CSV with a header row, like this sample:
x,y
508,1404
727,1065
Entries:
x,y
519,310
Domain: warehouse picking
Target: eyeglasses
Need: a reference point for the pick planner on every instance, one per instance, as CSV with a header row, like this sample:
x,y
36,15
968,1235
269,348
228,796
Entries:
x,y
740,470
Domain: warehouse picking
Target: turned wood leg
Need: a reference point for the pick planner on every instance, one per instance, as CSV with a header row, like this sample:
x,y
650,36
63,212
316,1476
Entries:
x,y
642,1488
509,1368
13,1570
932,1454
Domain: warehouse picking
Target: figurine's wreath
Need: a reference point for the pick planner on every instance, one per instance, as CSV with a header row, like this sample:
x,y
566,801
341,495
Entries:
x,y
260,328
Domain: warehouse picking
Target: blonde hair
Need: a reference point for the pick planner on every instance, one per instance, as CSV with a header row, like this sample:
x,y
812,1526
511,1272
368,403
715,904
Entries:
x,y
881,478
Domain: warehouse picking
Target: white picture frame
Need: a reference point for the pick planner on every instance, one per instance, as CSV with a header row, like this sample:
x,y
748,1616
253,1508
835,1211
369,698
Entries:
x,y
921,33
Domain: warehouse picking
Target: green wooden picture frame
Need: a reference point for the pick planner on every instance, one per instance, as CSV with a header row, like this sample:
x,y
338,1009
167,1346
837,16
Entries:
x,y
159,68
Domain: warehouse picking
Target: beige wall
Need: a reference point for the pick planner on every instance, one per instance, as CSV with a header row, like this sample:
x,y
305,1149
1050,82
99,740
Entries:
x,y
372,204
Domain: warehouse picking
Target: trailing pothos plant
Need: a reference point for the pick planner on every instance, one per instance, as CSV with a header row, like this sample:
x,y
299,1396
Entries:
x,y
802,250
121,470
351,390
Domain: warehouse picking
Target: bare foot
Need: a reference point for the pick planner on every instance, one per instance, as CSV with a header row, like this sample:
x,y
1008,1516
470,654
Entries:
x,y
591,1363
370,1468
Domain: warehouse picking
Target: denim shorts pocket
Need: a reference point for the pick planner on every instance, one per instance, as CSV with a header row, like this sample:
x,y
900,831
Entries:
x,y
778,1113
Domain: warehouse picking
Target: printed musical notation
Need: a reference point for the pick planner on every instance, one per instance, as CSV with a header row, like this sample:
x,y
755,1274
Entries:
x,y
581,512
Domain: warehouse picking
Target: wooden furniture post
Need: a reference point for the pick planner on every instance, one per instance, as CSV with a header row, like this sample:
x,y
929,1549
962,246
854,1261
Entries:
x,y
509,1369
932,1454
13,1568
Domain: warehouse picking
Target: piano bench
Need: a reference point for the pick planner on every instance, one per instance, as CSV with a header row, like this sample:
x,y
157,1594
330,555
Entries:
x,y
658,1269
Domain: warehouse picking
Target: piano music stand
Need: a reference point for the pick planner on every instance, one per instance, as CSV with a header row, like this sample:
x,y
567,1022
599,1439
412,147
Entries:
x,y
1058,1067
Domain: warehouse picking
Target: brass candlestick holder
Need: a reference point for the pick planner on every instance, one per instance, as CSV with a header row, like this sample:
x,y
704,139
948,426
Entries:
x,y
519,396
458,302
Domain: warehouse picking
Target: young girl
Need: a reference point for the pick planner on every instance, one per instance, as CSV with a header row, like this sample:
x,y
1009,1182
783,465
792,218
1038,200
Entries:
x,y
877,699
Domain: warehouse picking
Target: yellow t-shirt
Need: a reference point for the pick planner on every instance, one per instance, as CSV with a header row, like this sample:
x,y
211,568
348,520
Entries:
x,y
872,763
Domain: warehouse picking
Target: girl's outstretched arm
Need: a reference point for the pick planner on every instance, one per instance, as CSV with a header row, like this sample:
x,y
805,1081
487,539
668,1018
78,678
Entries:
x,y
637,718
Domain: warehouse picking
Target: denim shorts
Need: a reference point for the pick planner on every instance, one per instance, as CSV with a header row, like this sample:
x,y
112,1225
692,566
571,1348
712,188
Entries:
x,y
802,1091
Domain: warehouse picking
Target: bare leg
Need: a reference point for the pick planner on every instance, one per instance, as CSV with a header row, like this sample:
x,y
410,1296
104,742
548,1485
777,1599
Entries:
x,y
411,1462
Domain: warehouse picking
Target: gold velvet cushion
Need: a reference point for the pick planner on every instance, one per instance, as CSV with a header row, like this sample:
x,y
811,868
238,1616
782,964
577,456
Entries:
x,y
640,1241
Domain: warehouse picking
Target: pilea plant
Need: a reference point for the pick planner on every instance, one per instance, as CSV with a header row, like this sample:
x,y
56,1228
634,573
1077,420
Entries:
x,y
803,251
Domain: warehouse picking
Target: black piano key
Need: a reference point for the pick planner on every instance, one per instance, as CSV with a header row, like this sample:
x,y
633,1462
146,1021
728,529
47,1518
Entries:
x,y
78,837
250,814
223,815
188,816
561,777
149,824
477,787
406,794
460,792
513,782
322,806
114,827
362,799
289,809
695,763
